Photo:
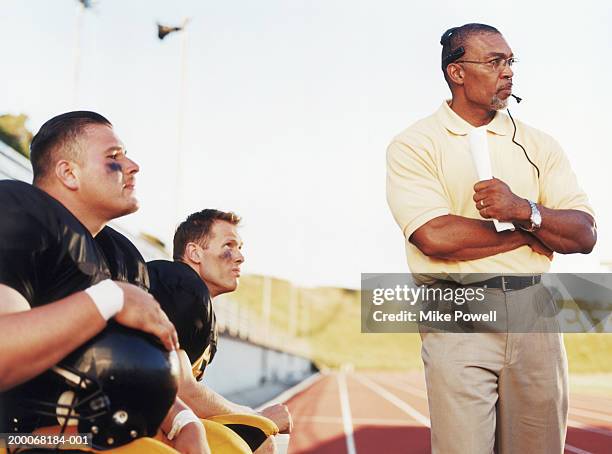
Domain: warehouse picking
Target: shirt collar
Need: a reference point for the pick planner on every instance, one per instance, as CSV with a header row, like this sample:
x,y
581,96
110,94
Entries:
x,y
500,124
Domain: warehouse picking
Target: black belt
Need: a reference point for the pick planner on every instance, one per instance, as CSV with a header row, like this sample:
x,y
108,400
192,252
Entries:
x,y
509,283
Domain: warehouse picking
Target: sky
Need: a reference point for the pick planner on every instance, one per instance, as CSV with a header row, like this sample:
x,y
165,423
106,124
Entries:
x,y
289,106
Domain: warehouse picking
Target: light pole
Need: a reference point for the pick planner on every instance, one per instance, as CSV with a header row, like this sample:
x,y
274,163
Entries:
x,y
162,32
82,4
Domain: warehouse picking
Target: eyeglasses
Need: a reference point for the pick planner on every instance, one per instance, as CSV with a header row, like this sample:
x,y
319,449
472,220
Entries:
x,y
496,64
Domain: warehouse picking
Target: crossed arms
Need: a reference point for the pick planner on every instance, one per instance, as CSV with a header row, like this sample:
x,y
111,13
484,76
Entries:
x,y
453,237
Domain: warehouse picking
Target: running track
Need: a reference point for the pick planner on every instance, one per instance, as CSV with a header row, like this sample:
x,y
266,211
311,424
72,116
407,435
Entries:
x,y
386,413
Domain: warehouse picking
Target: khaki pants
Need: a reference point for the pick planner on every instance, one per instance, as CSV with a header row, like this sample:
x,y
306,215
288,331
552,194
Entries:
x,y
499,392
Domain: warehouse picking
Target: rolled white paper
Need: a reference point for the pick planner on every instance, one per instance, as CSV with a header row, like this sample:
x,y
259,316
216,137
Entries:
x,y
479,146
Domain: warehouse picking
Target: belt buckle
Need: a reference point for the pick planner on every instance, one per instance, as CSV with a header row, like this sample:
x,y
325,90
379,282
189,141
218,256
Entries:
x,y
505,286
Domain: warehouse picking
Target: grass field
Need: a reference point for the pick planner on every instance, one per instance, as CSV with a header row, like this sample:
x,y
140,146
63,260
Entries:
x,y
329,319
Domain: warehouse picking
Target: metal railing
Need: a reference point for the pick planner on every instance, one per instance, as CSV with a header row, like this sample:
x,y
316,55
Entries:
x,y
241,322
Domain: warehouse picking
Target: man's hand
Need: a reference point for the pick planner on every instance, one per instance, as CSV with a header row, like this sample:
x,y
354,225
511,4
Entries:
x,y
267,447
191,440
495,200
279,413
141,311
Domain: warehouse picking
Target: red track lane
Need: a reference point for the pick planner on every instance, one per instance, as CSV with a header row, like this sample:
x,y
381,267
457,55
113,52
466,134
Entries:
x,y
386,413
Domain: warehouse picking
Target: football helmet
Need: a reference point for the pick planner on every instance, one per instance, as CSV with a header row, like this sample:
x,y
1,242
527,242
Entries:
x,y
118,386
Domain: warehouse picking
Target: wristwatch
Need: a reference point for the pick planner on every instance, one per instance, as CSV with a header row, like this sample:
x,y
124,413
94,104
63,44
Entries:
x,y
535,218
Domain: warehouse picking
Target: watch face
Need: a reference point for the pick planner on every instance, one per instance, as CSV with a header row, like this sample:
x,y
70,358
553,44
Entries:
x,y
536,217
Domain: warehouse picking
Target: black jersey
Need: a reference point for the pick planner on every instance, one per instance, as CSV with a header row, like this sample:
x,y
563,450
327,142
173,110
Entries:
x,y
124,261
186,301
46,254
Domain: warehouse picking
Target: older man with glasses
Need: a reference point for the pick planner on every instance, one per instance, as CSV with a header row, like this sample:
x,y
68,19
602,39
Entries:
x,y
506,390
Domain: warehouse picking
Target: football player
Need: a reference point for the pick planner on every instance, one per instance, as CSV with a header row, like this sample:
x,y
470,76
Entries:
x,y
65,291
207,260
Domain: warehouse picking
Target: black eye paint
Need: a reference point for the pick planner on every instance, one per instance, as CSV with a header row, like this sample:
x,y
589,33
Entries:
x,y
114,167
227,255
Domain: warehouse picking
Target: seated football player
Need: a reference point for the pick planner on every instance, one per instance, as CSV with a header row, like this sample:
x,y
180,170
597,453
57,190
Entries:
x,y
207,259
83,344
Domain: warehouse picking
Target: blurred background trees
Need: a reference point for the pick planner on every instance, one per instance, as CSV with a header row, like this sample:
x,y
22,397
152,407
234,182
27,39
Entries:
x,y
15,134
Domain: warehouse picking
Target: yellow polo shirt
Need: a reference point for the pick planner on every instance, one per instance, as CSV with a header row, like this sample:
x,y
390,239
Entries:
x,y
430,173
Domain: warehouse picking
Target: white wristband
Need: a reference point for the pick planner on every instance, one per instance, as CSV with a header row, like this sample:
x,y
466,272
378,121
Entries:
x,y
108,298
181,419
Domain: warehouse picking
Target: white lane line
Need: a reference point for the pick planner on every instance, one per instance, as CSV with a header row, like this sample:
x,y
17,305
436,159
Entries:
x,y
346,414
591,414
360,421
411,411
582,426
291,392
404,388
426,422
572,423
576,450
577,402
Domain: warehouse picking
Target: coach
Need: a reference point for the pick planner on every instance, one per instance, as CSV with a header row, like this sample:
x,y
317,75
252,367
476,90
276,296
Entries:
x,y
498,391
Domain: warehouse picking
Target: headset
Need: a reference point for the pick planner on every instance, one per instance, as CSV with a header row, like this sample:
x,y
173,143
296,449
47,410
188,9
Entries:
x,y
518,100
